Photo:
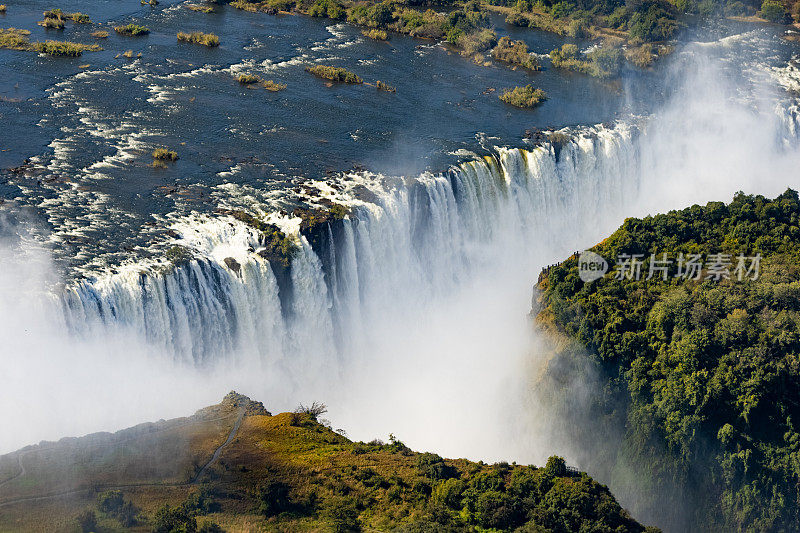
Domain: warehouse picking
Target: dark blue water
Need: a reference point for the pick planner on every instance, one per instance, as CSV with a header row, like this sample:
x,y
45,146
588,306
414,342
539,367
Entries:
x,y
89,124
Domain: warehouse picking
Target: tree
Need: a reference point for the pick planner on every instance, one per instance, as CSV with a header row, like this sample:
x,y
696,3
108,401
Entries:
x,y
173,520
273,498
773,11
341,514
87,521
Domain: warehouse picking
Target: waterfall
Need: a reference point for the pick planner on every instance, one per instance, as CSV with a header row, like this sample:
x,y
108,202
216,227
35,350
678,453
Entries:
x,y
415,241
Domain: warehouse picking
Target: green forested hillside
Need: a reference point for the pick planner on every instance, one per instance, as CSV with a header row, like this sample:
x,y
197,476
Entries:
x,y
702,377
235,467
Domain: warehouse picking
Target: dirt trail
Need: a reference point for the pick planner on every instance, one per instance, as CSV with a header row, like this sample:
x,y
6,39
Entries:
x,y
218,451
19,474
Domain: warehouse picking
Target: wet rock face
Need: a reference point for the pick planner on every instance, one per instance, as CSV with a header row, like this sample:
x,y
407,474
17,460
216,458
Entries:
x,y
235,400
233,264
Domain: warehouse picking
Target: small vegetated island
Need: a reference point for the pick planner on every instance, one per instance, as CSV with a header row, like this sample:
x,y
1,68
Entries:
x,y
288,472
699,384
197,37
337,74
18,39
524,97
56,19
132,30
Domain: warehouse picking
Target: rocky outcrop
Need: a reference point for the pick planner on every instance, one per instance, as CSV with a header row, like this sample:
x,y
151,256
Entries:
x,y
237,401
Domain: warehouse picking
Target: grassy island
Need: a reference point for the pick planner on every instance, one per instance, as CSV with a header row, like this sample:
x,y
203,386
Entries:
x,y
600,62
131,30
381,86
525,97
274,86
247,79
197,37
165,154
17,39
337,74
515,53
200,9
65,48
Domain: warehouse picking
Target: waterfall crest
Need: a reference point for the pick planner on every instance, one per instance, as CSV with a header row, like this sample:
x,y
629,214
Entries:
x,y
414,241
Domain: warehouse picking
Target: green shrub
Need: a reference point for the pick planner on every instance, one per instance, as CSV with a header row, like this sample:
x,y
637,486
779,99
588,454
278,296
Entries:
x,y
132,30
245,5
178,255
100,34
382,87
198,37
64,48
449,493
247,79
602,62
87,521
113,504
736,9
654,24
79,18
378,35
375,16
605,62
641,56
337,74
555,467
773,11
524,97
14,39
201,9
273,498
164,154
200,502
56,13
52,23
273,86
433,467
173,520
562,9
516,53
327,8
474,42
341,514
